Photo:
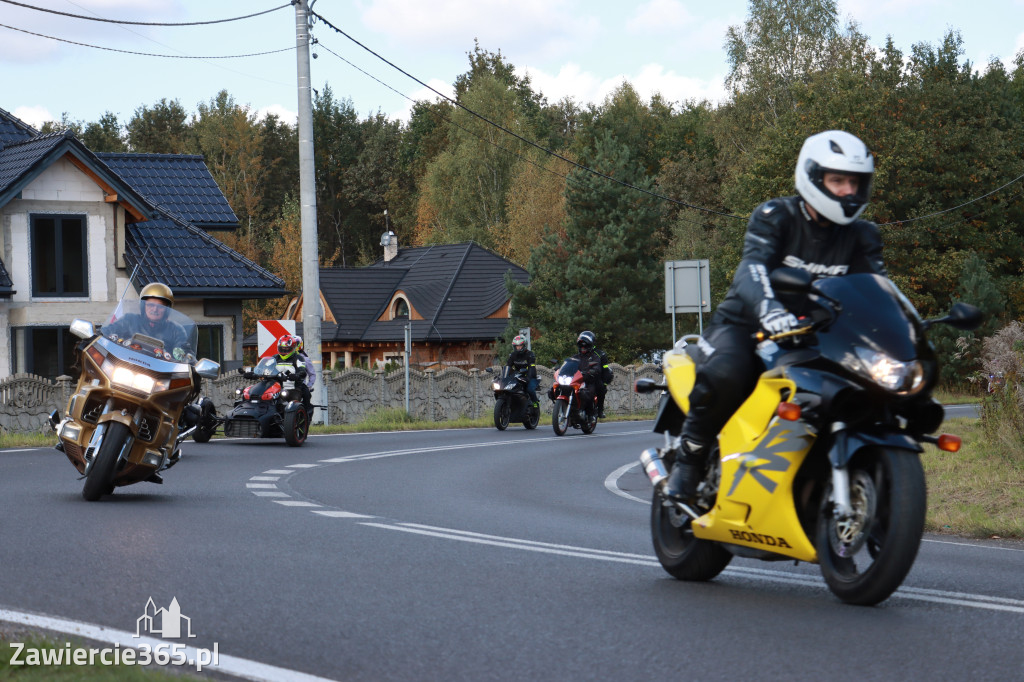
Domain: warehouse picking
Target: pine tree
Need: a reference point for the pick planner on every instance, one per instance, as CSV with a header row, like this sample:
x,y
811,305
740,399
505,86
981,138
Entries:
x,y
605,274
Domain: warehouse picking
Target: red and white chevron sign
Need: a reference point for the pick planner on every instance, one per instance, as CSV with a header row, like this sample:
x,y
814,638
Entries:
x,y
268,332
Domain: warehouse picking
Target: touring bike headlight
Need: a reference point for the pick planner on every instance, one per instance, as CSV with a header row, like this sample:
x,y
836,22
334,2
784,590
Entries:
x,y
889,373
126,378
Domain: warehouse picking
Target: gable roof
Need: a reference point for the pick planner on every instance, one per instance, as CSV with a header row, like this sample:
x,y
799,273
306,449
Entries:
x,y
161,247
455,287
165,191
176,183
13,129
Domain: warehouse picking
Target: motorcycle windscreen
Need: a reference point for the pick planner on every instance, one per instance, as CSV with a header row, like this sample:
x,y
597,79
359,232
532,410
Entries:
x,y
172,331
569,368
874,316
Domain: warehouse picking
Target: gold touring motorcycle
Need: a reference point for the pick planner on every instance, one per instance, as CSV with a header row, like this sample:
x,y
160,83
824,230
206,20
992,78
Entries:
x,y
822,462
132,406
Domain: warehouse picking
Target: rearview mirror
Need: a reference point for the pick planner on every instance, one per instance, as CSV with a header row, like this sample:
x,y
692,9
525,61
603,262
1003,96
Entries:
x,y
791,280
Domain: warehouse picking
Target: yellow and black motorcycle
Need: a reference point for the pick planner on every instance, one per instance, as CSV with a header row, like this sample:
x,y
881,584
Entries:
x,y
132,406
821,463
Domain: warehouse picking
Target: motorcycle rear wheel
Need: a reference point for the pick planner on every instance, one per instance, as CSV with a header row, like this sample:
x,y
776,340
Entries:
x,y
560,417
100,480
682,555
865,559
589,423
296,427
502,411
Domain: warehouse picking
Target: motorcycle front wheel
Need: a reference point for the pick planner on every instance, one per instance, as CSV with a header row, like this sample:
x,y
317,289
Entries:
x,y
532,417
864,559
501,413
560,417
296,427
100,480
682,555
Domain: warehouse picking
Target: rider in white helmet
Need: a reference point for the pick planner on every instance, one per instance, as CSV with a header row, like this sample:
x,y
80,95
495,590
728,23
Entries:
x,y
819,230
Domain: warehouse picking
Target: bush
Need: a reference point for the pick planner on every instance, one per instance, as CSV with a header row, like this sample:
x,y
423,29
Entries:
x,y
1002,362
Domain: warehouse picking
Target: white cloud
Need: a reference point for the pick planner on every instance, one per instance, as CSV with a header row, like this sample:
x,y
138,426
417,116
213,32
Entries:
x,y
35,116
527,29
586,88
660,16
284,114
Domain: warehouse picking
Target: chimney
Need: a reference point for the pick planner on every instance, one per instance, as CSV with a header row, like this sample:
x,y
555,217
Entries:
x,y
390,243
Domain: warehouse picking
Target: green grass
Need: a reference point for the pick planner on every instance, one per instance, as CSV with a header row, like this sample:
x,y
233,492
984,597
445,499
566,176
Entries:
x,y
978,491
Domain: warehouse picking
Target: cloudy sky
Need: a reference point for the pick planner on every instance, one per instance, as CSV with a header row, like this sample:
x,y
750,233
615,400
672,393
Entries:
x,y
570,48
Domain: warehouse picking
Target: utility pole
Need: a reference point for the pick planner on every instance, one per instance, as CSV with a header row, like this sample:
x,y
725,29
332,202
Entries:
x,y
312,315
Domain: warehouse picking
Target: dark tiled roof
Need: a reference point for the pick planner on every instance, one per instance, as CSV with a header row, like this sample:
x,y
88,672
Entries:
x,y
19,158
357,297
6,285
453,286
177,183
14,130
195,264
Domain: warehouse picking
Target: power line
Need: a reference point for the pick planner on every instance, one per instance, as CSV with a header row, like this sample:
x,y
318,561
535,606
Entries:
x,y
948,210
144,54
520,137
143,23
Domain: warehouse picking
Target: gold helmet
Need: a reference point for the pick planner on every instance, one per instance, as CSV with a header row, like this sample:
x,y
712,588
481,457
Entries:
x,y
160,291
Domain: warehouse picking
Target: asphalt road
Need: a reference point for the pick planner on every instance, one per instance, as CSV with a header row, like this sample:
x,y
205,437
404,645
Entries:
x,y
472,555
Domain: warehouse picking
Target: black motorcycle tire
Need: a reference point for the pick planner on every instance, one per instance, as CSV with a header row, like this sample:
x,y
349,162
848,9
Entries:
x,y
100,480
502,411
682,555
560,417
296,427
894,533
589,423
208,413
532,417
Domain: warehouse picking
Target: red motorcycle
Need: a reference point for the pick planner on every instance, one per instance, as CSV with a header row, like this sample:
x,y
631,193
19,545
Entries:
x,y
565,393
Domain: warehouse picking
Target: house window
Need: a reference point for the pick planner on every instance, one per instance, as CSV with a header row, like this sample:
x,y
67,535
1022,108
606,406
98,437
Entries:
x,y
59,256
45,351
400,309
211,342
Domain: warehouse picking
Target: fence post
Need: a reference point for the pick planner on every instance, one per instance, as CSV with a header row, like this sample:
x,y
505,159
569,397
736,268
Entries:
x,y
430,395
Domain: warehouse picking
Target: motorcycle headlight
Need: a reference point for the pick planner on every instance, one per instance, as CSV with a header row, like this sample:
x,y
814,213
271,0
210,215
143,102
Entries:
x,y
889,373
564,380
136,381
495,386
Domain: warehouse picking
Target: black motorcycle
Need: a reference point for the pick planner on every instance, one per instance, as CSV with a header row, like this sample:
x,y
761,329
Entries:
x,y
512,402
270,408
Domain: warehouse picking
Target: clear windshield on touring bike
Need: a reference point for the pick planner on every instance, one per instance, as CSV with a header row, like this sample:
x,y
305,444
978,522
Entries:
x,y
153,330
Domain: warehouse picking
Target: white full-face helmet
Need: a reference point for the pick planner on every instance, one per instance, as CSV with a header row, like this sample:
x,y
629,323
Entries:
x,y
839,152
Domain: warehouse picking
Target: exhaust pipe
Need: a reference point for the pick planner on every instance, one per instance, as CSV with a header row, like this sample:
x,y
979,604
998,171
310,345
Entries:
x,y
654,467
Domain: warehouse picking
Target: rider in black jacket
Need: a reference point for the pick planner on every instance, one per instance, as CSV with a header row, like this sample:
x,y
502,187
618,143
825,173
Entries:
x,y
590,367
819,231
521,359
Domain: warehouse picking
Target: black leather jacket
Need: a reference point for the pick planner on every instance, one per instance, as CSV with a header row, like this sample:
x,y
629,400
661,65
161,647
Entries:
x,y
781,233
519,360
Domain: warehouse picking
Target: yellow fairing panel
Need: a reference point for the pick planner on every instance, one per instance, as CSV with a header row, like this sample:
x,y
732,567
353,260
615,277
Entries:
x,y
680,373
761,455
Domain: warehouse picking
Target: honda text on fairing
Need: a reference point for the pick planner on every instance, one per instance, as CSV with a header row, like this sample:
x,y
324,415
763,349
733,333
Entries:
x,y
512,403
568,409
822,462
131,407
270,408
